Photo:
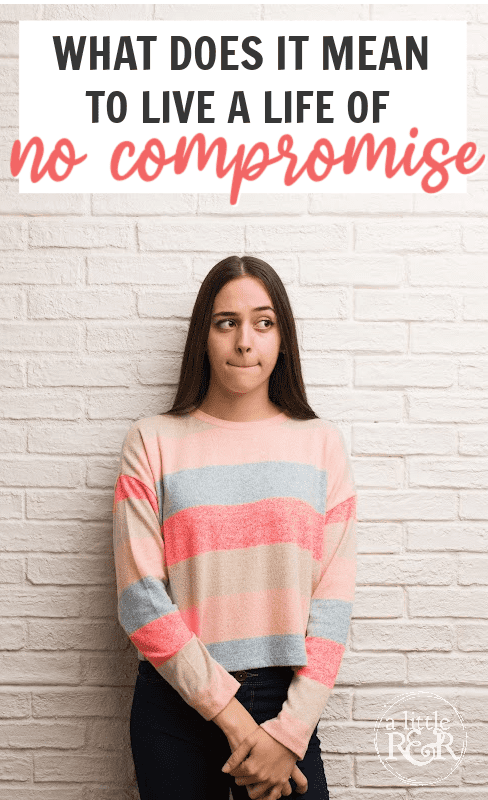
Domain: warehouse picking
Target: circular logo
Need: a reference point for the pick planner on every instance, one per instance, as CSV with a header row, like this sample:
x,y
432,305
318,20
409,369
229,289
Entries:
x,y
420,738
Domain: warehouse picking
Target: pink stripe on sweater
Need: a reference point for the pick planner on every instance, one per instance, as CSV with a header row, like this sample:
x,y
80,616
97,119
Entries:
x,y
128,487
162,638
338,581
342,512
208,449
324,659
265,522
246,615
138,559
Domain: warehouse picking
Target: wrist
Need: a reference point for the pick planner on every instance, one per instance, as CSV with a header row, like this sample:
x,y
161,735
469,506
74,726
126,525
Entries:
x,y
235,719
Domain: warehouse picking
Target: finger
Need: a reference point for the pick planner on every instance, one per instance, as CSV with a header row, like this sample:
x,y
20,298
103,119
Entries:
x,y
268,795
245,780
261,791
258,791
239,754
300,780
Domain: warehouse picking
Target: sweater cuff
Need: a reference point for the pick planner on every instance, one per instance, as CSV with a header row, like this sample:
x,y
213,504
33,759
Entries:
x,y
215,695
201,681
290,732
224,688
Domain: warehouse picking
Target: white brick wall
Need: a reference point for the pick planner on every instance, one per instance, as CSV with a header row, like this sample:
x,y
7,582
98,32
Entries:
x,y
391,298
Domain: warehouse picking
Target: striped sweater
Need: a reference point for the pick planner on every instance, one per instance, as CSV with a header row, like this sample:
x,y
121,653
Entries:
x,y
234,547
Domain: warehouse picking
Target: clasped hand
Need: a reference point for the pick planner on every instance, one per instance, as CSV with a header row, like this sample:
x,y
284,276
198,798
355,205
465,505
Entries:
x,y
265,765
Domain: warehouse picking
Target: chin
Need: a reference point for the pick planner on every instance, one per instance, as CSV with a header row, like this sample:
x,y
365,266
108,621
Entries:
x,y
241,390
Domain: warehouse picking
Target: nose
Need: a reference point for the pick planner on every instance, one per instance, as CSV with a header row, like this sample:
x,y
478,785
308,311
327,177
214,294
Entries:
x,y
243,338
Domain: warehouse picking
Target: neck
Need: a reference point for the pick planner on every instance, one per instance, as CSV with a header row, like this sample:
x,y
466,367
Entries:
x,y
243,408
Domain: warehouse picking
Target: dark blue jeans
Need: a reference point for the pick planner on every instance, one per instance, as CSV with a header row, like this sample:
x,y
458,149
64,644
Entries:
x,y
179,756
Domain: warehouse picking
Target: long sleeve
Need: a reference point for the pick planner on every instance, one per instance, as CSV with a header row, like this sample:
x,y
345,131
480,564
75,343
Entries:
x,y
145,609
330,609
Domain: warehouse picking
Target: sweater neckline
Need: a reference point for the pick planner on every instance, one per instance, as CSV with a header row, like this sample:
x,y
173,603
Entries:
x,y
251,425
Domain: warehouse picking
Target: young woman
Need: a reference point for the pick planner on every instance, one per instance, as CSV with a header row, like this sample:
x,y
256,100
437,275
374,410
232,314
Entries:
x,y
234,544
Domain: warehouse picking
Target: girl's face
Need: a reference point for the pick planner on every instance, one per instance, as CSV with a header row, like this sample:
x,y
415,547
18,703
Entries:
x,y
244,340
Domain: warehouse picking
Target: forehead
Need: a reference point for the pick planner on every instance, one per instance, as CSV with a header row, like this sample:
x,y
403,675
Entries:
x,y
242,293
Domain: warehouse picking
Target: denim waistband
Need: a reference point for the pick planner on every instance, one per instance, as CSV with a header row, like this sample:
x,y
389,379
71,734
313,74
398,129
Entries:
x,y
261,672
251,674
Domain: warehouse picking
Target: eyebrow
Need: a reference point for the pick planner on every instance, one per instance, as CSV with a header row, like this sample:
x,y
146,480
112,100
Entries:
x,y
235,314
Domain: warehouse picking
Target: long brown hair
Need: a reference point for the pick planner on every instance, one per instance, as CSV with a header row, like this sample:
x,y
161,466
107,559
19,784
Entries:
x,y
286,387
